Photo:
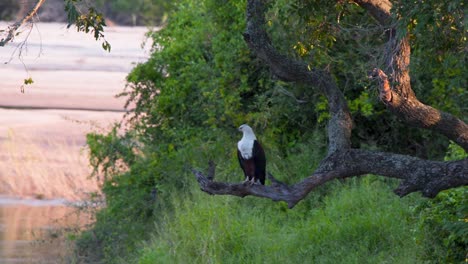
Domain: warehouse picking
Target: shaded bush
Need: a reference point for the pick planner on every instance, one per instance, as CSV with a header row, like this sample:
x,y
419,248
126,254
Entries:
x,y
443,221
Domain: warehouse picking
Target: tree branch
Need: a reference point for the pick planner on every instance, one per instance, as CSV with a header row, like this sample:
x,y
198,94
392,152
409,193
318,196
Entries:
x,y
13,28
289,70
429,177
400,98
415,113
379,9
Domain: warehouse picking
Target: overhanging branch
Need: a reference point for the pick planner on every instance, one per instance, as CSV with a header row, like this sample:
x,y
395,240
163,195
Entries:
x,y
428,177
415,113
11,32
290,70
379,9
400,98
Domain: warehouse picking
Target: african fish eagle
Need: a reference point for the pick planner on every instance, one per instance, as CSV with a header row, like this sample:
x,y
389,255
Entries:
x,y
251,156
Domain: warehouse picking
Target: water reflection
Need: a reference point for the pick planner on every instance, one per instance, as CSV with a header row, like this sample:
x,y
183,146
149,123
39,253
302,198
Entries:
x,y
35,231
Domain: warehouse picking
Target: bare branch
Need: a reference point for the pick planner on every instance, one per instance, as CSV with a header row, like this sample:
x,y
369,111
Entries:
x,y
287,69
429,177
13,28
277,192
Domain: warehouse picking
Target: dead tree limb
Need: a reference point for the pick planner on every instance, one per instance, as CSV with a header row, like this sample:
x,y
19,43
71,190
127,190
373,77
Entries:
x,y
11,31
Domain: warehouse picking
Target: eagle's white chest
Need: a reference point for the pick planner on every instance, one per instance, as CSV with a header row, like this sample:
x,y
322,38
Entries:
x,y
245,147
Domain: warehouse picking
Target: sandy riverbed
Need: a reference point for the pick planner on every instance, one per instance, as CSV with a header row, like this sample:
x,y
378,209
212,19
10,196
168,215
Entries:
x,y
42,131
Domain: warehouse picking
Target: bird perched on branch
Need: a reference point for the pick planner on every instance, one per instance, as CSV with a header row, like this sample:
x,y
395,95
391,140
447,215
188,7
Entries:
x,y
251,156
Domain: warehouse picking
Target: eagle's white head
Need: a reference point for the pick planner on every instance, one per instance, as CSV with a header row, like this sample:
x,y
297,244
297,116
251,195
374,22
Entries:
x,y
248,132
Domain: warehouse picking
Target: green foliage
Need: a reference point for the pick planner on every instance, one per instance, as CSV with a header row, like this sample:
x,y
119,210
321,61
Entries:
x,y
444,226
438,65
201,74
136,12
444,221
92,21
201,82
110,154
343,39
28,81
139,189
455,152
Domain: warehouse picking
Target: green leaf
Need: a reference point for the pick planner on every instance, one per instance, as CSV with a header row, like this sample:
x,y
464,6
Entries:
x,y
28,81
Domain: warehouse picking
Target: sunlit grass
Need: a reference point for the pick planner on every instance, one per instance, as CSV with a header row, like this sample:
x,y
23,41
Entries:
x,y
359,221
44,167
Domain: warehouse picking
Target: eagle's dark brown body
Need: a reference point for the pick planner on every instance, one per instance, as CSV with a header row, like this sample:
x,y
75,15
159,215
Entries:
x,y
251,156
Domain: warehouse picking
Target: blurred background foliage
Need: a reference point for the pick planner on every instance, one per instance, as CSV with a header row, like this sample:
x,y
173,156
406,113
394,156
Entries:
x,y
121,12
8,9
201,82
134,12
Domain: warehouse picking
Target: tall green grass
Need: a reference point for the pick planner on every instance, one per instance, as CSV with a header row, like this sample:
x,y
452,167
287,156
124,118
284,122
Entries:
x,y
360,221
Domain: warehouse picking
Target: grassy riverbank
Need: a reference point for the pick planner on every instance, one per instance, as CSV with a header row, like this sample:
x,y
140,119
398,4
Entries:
x,y
203,80
359,221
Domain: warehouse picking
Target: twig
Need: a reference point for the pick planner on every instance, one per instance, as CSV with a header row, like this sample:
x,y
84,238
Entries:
x,y
13,28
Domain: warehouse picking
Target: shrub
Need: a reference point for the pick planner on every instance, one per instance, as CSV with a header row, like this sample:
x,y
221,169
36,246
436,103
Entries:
x,y
443,224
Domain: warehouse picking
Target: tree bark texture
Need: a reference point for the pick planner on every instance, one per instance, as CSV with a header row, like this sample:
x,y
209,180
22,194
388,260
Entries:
x,y
400,98
342,161
429,177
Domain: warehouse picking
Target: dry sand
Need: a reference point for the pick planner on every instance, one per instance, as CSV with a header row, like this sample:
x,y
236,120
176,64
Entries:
x,y
42,131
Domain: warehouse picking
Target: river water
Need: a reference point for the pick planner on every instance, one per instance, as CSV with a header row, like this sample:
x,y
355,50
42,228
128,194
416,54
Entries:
x,y
38,231
43,130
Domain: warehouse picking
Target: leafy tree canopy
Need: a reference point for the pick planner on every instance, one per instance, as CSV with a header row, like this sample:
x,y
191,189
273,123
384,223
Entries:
x,y
202,81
